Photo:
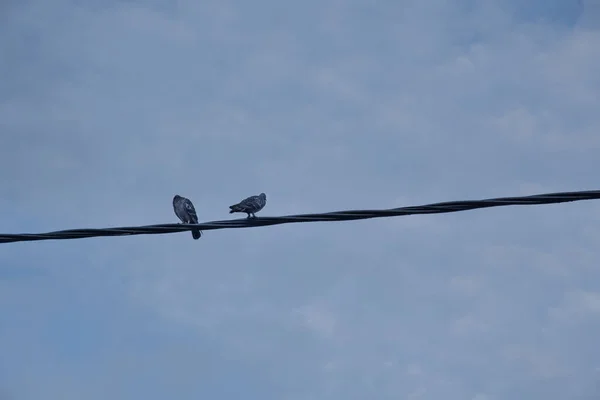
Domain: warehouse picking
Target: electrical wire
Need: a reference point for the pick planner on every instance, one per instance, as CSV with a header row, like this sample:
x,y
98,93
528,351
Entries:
x,y
436,208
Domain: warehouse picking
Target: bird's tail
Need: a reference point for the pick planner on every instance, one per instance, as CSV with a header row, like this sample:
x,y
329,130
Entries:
x,y
232,208
196,234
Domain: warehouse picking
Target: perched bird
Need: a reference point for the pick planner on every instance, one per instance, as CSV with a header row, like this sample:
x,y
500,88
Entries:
x,y
184,209
250,205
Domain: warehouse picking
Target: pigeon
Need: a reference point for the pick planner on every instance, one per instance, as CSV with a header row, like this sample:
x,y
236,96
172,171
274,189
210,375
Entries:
x,y
184,209
250,205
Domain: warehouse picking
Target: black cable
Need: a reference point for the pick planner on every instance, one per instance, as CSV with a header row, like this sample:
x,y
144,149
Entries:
x,y
436,208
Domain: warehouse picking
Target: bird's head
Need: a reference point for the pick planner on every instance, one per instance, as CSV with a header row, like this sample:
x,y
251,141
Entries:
x,y
263,196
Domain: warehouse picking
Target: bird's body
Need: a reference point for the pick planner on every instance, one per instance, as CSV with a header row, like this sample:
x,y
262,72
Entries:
x,y
185,211
250,205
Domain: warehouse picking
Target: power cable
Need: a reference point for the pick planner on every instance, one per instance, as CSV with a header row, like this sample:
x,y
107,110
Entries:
x,y
350,215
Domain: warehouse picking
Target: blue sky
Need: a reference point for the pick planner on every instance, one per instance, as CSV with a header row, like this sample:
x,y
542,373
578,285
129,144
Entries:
x,y
108,109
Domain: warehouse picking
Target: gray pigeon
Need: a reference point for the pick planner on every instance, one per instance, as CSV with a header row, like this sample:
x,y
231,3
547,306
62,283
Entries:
x,y
250,205
184,209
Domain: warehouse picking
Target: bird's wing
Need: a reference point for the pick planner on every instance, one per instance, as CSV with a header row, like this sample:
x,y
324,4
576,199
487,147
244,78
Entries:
x,y
249,203
179,211
189,207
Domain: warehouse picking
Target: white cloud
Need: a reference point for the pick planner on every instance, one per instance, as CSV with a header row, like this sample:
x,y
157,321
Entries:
x,y
577,305
318,320
109,110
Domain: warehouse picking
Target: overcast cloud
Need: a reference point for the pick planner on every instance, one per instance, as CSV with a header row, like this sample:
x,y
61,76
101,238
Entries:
x,y
109,108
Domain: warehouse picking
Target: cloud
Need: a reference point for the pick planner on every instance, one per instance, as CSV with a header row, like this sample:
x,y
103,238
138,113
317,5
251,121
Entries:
x,y
577,304
107,110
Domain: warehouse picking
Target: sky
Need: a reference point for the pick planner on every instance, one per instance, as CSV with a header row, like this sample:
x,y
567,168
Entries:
x,y
110,108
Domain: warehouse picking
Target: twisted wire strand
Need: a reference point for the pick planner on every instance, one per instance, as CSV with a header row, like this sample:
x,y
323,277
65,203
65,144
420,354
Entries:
x,y
350,215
